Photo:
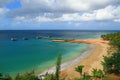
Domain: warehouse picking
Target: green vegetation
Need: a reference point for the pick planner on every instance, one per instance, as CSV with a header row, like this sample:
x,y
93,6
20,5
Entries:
x,y
58,63
96,74
26,76
79,69
111,63
49,77
114,39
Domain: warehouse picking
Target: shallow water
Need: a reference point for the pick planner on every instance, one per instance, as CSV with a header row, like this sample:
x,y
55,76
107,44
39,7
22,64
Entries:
x,y
33,54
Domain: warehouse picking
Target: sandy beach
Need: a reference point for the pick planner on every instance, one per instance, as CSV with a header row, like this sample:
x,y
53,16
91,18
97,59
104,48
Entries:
x,y
70,63
92,61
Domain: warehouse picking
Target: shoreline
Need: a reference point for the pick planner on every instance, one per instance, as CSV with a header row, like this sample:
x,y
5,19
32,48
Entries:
x,y
90,59
71,63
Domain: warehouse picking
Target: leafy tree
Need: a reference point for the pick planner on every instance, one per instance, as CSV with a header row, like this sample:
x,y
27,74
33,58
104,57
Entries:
x,y
79,69
107,64
114,38
97,73
111,64
116,63
86,76
94,72
100,74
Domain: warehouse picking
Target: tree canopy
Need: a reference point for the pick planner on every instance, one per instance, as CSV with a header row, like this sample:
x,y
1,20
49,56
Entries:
x,y
111,63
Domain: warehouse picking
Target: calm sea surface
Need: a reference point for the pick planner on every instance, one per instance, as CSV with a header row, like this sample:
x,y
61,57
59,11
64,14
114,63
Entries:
x,y
39,54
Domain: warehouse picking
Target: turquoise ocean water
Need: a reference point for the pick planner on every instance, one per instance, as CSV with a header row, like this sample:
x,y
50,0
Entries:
x,y
33,54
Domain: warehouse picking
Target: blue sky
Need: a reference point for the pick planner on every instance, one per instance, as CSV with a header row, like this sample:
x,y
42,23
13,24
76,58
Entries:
x,y
60,14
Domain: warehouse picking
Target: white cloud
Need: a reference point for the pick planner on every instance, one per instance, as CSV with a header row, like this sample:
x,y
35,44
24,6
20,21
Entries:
x,y
117,20
101,14
69,17
2,12
108,13
67,10
62,5
20,18
42,19
39,7
84,5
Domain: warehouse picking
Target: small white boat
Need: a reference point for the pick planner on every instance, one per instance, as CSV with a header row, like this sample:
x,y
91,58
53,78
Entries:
x,y
13,39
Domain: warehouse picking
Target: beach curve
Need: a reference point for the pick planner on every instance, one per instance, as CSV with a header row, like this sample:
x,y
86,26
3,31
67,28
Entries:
x,y
90,59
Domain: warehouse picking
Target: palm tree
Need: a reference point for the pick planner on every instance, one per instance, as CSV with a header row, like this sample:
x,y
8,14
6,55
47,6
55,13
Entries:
x,y
97,73
86,76
94,72
79,69
100,74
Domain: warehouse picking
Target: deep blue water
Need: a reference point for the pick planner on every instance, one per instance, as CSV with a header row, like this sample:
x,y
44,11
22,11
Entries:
x,y
38,55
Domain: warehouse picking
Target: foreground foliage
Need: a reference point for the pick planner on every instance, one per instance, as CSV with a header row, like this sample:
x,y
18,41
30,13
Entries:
x,y
96,74
26,76
79,69
111,63
114,39
58,63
